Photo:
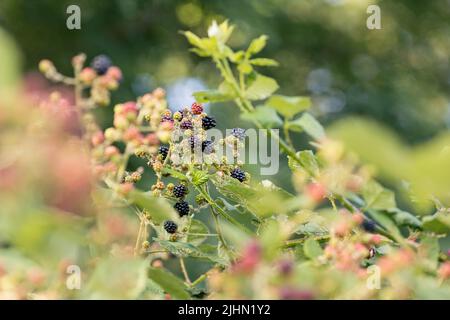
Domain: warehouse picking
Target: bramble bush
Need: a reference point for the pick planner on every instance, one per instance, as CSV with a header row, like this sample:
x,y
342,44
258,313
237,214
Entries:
x,y
72,195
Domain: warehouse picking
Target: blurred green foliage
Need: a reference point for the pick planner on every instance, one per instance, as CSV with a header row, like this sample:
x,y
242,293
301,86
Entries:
x,y
398,75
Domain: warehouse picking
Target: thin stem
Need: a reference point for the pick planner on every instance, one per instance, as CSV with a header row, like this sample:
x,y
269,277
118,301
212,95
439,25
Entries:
x,y
202,234
183,269
138,239
287,136
199,280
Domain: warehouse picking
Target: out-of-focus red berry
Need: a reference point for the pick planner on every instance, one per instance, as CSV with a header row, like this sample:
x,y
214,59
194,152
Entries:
x,y
316,191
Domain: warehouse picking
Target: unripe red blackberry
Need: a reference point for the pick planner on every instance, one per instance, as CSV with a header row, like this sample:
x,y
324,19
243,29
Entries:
x,y
208,123
179,191
238,174
238,133
163,151
196,108
182,207
170,226
101,64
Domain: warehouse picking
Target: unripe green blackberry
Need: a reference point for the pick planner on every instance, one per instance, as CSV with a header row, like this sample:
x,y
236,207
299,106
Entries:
x,y
208,123
238,174
101,64
179,191
170,226
163,151
182,207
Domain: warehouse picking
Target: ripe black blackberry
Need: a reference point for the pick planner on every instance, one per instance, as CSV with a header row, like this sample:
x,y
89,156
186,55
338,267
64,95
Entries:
x,y
194,142
368,225
182,207
163,151
186,124
180,191
238,174
207,146
208,123
170,226
238,133
101,64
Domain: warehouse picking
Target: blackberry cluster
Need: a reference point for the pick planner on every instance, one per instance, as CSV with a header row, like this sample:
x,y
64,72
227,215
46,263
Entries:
x,y
208,123
101,64
180,191
368,225
170,226
163,151
238,174
196,108
207,146
186,125
238,133
166,118
182,207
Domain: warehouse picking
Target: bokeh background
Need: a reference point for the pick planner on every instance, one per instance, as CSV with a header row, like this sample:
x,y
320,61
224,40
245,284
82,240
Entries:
x,y
398,76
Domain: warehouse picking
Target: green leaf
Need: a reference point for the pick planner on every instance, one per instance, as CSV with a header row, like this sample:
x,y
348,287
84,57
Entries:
x,y
197,227
174,173
211,96
9,64
429,252
404,218
266,116
117,278
184,249
312,249
438,222
289,106
199,177
257,45
310,125
261,88
264,62
159,209
377,197
193,39
308,162
169,282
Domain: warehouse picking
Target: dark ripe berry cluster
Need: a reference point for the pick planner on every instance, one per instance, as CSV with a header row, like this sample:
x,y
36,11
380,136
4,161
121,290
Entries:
x,y
238,133
170,226
180,191
166,118
163,151
208,123
368,225
186,124
194,142
238,174
196,108
182,207
207,146
101,64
